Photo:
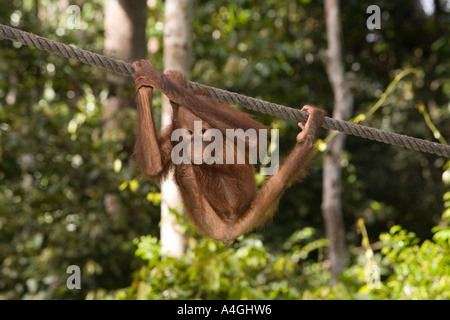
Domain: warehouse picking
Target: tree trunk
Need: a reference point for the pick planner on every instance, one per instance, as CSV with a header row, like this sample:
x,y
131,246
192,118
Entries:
x,y
343,103
177,55
125,23
127,43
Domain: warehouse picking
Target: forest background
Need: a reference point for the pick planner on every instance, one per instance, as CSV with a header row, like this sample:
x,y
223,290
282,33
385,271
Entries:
x,y
58,169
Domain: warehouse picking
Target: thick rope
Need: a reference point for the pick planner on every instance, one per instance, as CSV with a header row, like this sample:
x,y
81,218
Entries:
x,y
125,68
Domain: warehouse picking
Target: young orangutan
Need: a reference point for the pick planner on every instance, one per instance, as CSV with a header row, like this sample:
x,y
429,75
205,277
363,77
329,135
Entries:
x,y
221,200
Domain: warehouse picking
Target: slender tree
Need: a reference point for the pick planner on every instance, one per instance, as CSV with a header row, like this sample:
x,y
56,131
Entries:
x,y
343,103
126,43
177,55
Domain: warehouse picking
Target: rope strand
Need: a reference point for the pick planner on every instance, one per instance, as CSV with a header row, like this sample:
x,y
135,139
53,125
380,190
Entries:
x,y
126,68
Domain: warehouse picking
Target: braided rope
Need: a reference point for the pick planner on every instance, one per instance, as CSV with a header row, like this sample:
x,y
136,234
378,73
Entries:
x,y
125,68
65,50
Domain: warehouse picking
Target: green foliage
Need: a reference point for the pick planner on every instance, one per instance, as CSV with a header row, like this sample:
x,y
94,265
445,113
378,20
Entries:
x,y
245,269
409,270
419,271
58,174
403,267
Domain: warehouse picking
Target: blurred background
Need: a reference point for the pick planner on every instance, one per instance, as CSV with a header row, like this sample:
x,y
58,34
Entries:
x,y
71,195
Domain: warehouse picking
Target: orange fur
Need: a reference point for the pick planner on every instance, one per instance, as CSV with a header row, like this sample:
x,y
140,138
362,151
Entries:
x,y
221,200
